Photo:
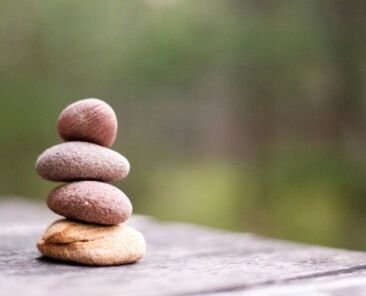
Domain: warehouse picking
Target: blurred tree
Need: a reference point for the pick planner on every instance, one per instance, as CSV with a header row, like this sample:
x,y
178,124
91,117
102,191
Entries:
x,y
346,22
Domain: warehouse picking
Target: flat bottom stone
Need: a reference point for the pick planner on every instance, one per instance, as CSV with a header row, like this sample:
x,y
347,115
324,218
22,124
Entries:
x,y
91,244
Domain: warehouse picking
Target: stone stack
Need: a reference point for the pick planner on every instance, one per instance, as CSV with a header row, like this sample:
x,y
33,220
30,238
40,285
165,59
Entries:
x,y
94,232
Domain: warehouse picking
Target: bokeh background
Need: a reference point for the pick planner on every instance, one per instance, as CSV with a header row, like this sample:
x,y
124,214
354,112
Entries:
x,y
239,114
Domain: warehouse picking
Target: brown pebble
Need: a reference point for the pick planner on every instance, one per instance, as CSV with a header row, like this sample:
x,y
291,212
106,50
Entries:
x,y
75,161
90,201
92,244
90,120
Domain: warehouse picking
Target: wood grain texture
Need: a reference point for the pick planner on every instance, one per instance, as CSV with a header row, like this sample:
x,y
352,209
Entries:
x,y
182,259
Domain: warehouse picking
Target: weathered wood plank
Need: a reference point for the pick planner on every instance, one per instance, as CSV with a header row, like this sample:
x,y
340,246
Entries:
x,y
182,259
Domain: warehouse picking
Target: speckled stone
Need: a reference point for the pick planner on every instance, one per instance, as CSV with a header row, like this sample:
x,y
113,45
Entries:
x,y
90,120
92,244
75,161
90,201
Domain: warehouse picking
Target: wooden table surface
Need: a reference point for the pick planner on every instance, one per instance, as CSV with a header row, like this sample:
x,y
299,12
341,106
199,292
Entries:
x,y
182,259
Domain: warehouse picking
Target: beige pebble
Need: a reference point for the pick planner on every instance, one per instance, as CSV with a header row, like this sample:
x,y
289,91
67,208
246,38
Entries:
x,y
90,201
92,244
74,161
90,120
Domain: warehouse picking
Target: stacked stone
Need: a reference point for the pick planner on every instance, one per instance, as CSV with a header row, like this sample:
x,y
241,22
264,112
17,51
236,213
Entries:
x,y
93,232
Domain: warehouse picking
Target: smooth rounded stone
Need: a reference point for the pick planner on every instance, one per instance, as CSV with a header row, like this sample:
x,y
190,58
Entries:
x,y
75,161
90,201
90,120
92,244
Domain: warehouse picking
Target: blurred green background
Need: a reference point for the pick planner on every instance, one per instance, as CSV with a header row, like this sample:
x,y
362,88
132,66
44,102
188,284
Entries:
x,y
243,115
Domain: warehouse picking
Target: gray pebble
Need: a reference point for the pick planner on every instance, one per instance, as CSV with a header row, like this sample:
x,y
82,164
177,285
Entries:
x,y
75,161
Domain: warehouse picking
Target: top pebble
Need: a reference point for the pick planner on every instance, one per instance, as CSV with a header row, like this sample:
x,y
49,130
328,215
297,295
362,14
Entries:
x,y
90,120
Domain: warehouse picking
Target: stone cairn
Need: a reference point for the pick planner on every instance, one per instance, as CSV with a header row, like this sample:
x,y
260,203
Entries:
x,y
93,232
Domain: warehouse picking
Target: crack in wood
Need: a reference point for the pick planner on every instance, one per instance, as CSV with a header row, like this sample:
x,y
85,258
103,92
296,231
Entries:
x,y
261,284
